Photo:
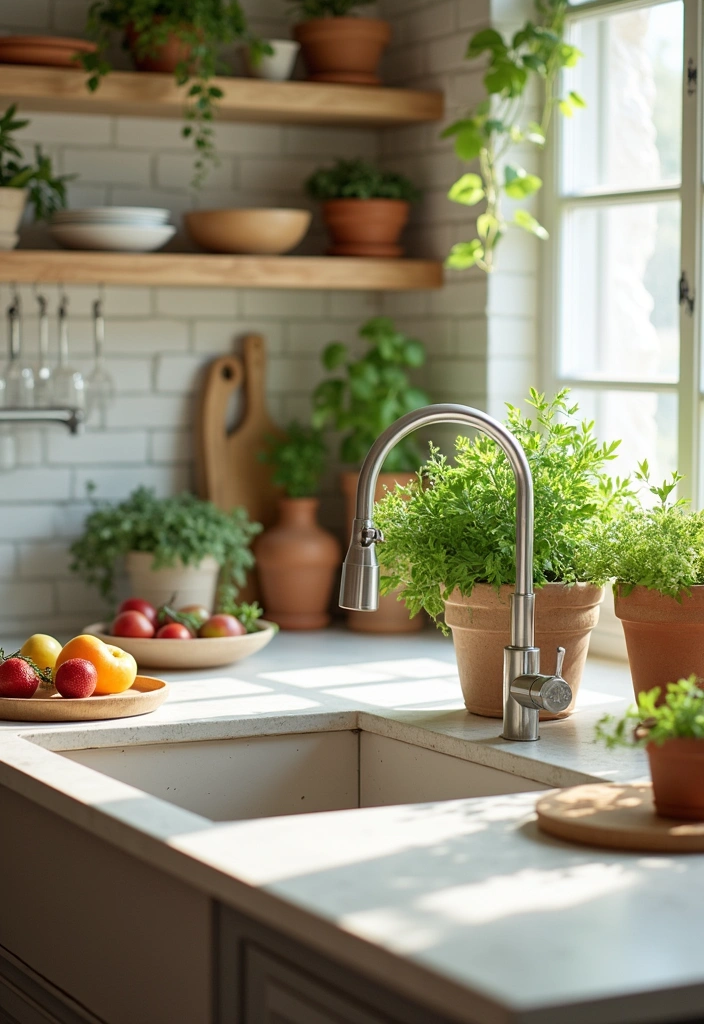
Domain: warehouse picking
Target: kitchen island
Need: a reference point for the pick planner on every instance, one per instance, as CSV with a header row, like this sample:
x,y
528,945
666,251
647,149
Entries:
x,y
142,881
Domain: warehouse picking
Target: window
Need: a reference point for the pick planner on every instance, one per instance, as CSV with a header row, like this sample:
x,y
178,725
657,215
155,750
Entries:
x,y
626,225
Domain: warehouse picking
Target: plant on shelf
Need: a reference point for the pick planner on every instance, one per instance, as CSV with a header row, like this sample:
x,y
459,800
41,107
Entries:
x,y
178,36
364,208
297,559
533,57
451,541
174,548
337,47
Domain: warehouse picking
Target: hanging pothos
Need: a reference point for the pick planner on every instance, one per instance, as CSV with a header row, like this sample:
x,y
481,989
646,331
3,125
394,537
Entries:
x,y
537,53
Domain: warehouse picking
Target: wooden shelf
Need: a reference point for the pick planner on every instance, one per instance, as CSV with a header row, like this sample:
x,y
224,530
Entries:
x,y
245,99
182,270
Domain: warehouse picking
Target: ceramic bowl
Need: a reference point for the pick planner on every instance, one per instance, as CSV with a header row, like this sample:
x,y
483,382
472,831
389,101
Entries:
x,y
113,237
112,215
276,66
254,232
186,654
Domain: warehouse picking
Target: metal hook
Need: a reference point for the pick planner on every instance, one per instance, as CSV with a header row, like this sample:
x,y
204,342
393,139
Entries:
x,y
63,302
40,299
14,308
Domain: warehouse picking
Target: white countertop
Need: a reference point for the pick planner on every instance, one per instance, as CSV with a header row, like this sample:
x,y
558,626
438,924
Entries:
x,y
463,903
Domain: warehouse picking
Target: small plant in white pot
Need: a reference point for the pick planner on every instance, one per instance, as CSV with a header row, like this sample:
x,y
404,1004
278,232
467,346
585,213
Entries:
x,y
271,59
174,548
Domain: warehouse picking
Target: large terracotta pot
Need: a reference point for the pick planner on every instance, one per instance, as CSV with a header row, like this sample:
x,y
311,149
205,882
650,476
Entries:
x,y
677,771
297,562
346,50
664,636
365,227
392,616
164,59
179,584
481,628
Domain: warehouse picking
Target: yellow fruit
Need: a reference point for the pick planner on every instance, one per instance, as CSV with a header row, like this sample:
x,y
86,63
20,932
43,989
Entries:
x,y
117,669
42,649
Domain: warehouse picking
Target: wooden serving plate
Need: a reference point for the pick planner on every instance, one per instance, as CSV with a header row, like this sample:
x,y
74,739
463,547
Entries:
x,y
201,652
145,695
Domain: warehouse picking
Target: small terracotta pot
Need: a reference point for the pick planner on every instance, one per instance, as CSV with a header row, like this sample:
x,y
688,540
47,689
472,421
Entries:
x,y
392,616
164,59
677,771
180,584
481,628
297,561
345,50
664,636
365,227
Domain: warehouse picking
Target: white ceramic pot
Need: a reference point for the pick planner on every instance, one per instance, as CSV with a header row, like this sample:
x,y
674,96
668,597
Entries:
x,y
278,66
179,584
12,204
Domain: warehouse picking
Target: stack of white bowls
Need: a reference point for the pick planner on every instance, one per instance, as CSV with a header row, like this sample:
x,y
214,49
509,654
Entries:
x,y
113,228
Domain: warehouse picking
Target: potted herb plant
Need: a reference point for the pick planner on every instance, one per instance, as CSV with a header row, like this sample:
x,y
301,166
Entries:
x,y
670,725
297,559
174,548
364,208
336,47
21,182
451,541
367,397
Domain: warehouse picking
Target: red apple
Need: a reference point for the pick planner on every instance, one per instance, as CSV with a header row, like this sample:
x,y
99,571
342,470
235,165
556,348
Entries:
x,y
136,604
221,625
132,623
198,612
174,631
76,678
17,678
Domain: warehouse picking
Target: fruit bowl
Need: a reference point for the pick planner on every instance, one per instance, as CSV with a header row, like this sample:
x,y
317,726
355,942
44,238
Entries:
x,y
200,652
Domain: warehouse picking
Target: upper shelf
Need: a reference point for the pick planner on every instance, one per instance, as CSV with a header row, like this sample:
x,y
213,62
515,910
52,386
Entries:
x,y
245,99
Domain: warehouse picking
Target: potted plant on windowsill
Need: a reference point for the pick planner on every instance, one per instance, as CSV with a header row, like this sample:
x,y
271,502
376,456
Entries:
x,y
338,48
174,549
451,541
297,559
371,394
364,208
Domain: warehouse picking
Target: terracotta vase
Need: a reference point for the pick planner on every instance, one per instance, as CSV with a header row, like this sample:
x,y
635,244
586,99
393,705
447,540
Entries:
x,y
178,584
677,771
297,561
365,227
664,636
392,616
163,59
481,628
344,50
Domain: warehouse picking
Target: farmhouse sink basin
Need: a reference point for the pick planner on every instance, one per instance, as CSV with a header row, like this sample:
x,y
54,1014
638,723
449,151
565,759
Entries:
x,y
296,773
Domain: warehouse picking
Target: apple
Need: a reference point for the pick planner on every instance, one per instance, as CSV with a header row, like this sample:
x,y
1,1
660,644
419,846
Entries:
x,y
132,623
17,678
136,604
174,631
221,625
76,677
198,612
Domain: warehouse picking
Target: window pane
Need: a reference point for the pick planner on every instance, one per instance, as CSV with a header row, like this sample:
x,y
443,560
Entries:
x,y
630,76
619,310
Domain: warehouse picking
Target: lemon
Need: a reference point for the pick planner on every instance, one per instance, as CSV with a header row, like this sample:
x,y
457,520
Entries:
x,y
42,649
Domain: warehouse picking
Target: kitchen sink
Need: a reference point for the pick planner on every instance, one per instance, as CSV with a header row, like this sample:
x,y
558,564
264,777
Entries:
x,y
296,773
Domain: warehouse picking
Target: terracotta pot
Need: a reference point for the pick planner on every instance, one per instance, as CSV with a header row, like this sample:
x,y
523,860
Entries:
x,y
677,771
346,50
664,636
297,561
365,227
392,616
481,628
179,584
163,59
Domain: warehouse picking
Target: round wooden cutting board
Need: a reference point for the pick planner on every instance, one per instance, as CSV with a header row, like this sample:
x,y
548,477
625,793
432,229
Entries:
x,y
145,695
618,817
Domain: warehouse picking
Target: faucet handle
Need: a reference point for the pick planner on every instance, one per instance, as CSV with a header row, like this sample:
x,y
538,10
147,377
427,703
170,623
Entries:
x,y
560,660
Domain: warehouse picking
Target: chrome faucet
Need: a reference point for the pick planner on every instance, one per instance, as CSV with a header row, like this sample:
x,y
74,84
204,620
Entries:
x,y
526,692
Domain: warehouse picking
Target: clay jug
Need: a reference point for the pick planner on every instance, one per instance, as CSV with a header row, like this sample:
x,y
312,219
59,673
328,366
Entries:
x,y
297,561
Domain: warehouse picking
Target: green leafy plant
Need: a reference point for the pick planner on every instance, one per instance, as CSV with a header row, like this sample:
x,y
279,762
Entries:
x,y
47,191
202,25
357,179
680,716
248,614
374,391
298,459
455,525
307,9
178,529
537,53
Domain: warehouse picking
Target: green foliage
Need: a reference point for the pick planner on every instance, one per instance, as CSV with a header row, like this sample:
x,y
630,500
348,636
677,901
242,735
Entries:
x,y
203,25
298,459
374,391
307,9
182,528
47,191
356,179
537,52
680,716
455,526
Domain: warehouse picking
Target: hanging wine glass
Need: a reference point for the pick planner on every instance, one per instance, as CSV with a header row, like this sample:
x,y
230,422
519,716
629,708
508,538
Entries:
x,y
43,375
69,385
19,379
100,385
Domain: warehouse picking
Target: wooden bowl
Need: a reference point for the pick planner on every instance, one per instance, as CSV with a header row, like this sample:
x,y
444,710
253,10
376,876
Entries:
x,y
44,51
202,652
251,232
145,695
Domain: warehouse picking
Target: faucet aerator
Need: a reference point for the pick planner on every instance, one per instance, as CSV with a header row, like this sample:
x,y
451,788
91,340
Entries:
x,y
359,588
